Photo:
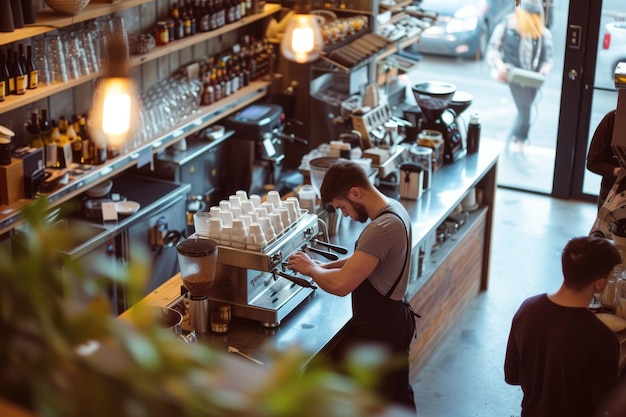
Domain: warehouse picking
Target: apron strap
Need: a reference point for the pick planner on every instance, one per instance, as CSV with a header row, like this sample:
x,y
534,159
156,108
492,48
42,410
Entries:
x,y
406,256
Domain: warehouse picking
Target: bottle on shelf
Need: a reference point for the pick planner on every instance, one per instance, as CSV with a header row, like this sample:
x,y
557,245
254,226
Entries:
x,y
203,16
50,147
86,157
28,11
186,19
62,125
34,131
18,74
45,127
18,14
75,141
231,14
213,15
179,30
208,94
4,77
31,69
243,12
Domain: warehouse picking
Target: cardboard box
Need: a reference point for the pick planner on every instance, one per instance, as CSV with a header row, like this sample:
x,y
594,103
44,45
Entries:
x,y
12,182
377,155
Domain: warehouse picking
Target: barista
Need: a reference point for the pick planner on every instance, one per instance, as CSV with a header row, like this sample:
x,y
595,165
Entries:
x,y
376,274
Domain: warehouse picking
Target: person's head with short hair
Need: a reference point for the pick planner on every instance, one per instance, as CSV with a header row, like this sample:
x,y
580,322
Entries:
x,y
340,177
586,259
346,186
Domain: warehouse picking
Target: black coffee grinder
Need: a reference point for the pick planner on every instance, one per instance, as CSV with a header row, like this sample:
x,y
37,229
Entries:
x,y
433,99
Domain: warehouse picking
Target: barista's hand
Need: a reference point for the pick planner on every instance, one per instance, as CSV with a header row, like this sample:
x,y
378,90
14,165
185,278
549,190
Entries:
x,y
302,263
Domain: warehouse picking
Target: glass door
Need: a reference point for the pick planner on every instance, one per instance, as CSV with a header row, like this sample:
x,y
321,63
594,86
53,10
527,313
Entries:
x,y
450,54
611,50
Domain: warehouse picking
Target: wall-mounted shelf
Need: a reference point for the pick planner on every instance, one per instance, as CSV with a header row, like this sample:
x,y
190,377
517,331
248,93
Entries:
x,y
13,102
174,46
49,20
10,216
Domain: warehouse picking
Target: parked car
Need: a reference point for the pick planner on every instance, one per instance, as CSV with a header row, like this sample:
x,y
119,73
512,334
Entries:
x,y
463,27
612,49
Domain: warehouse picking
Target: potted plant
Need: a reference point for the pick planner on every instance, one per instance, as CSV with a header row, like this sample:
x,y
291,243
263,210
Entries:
x,y
65,355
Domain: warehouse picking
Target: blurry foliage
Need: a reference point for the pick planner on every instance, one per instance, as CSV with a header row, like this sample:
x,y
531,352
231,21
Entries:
x,y
137,369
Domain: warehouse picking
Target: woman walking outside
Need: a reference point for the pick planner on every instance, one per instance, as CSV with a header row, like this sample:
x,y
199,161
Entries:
x,y
521,41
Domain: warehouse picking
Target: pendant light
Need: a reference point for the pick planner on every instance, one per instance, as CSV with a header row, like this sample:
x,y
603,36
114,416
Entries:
x,y
302,41
115,106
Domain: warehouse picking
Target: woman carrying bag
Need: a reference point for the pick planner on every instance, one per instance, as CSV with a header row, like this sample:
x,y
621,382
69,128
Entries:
x,y
520,52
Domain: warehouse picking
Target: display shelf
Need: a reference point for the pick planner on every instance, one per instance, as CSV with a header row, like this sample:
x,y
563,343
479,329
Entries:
x,y
49,20
10,216
13,102
177,45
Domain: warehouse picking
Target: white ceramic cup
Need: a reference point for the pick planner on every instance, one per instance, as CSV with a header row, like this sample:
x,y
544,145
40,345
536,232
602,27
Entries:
x,y
284,216
236,212
294,208
277,222
268,206
215,211
227,217
234,201
247,207
215,228
242,194
256,237
268,228
261,212
225,205
226,234
274,198
239,234
247,220
256,200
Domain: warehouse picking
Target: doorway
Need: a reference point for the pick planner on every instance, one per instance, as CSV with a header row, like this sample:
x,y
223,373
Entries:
x,y
611,50
532,170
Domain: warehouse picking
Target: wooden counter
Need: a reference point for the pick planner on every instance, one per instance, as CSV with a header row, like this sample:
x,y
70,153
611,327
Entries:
x,y
452,276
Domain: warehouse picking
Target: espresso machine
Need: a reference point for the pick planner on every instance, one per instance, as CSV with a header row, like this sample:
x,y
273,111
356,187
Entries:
x,y
433,99
257,148
256,283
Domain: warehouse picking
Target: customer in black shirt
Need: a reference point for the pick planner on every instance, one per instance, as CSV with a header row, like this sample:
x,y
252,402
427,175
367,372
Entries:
x,y
563,357
601,159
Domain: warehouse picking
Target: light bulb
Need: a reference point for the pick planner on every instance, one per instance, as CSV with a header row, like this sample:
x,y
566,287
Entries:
x,y
302,41
114,111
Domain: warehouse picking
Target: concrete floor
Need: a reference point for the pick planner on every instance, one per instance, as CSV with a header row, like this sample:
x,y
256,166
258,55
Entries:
x,y
465,377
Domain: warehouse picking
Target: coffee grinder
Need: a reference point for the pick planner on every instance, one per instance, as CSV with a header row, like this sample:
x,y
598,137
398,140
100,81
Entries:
x,y
198,258
433,99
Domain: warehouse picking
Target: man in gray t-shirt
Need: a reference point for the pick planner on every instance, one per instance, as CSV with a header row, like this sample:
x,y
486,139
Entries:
x,y
376,274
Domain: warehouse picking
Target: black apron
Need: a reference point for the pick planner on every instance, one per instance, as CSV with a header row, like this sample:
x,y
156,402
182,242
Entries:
x,y
391,323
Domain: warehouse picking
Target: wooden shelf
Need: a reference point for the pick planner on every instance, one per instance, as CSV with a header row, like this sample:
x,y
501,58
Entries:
x,y
174,46
49,20
13,102
10,216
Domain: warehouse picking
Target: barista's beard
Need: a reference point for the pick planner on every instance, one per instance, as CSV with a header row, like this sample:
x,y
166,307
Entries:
x,y
362,216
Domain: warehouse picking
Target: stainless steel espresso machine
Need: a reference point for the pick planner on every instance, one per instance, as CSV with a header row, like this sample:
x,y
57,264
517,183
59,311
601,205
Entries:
x,y
257,285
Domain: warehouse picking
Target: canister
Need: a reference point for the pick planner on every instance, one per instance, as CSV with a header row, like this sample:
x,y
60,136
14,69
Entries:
x,y
410,183
5,145
423,156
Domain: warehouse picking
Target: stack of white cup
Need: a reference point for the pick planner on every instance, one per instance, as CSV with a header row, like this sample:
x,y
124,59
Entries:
x,y
244,222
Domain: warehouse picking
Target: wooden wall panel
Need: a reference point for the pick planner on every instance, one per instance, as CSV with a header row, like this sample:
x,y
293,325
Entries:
x,y
447,294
